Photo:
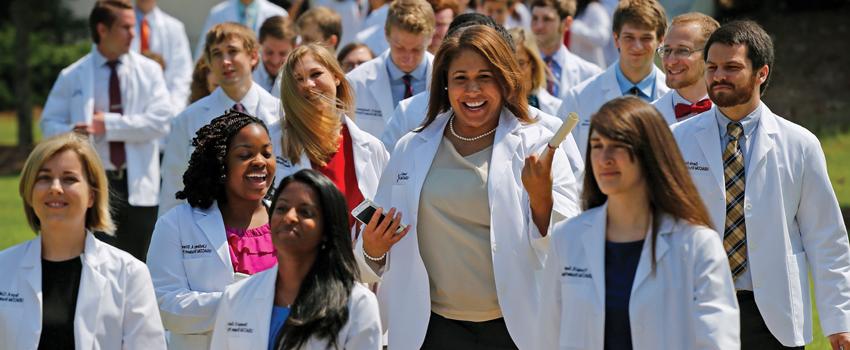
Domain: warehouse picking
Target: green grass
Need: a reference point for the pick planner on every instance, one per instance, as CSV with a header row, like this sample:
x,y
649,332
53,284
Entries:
x,y
13,224
837,150
9,128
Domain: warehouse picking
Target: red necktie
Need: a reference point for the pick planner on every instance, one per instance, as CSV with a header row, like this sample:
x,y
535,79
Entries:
x,y
239,108
408,86
117,154
145,35
682,109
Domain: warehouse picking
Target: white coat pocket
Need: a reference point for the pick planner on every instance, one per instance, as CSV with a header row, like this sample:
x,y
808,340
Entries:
x,y
197,273
575,305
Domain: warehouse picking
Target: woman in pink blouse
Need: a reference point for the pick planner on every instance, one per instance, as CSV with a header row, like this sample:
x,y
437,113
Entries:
x,y
221,234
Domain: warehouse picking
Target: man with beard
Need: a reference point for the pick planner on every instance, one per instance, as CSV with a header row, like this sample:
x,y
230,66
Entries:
x,y
682,58
764,182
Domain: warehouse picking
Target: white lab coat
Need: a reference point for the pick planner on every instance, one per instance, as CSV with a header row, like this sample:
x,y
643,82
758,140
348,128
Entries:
x,y
372,32
244,316
664,105
178,145
548,104
586,98
410,113
687,302
147,113
373,103
575,70
794,224
590,33
370,158
115,308
189,262
518,248
168,39
228,11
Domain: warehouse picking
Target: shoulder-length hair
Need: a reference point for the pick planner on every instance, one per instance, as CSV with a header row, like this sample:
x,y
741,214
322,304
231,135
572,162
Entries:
x,y
98,217
204,180
306,127
526,41
641,127
321,307
486,42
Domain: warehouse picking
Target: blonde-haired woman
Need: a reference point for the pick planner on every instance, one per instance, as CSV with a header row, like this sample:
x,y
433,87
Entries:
x,y
531,65
317,132
65,288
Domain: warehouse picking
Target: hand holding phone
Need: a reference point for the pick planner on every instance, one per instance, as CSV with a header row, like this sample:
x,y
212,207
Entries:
x,y
379,233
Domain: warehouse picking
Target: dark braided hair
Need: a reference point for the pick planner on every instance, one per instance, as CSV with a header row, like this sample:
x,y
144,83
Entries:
x,y
203,181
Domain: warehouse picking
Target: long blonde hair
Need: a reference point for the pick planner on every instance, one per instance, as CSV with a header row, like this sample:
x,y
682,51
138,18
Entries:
x,y
306,127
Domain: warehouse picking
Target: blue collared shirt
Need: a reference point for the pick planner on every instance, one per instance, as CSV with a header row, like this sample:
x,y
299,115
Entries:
x,y
247,14
397,83
646,87
750,123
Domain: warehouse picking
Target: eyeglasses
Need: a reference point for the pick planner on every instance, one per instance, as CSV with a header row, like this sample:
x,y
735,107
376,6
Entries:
x,y
679,52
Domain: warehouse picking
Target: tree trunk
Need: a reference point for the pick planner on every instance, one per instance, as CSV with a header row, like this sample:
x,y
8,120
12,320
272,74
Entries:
x,y
22,74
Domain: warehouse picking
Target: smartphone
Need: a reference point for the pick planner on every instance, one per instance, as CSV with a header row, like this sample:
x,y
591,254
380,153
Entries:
x,y
364,211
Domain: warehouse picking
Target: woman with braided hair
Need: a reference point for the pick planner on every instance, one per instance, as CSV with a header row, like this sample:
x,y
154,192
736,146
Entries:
x,y
221,234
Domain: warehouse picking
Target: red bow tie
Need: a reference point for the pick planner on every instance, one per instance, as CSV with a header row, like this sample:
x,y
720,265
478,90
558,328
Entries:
x,y
683,109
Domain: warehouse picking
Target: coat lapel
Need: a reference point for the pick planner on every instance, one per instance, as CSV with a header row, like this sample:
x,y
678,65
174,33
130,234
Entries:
x,y
380,85
610,87
362,158
504,149
708,138
644,268
762,143
427,142
92,286
212,224
593,240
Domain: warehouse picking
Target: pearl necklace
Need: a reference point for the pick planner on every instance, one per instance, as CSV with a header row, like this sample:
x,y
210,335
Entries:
x,y
467,139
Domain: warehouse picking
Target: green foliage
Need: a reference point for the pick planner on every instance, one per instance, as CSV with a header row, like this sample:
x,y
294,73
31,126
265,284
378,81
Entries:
x,y
46,60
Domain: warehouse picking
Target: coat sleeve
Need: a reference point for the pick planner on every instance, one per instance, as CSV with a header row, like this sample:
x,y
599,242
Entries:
x,y
174,163
565,205
825,242
183,310
55,118
715,306
364,331
152,121
142,326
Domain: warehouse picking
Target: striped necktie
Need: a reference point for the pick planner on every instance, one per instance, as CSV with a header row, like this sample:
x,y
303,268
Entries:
x,y
735,231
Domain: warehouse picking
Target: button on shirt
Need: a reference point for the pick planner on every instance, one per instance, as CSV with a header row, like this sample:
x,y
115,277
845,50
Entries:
x,y
101,98
750,123
646,87
397,83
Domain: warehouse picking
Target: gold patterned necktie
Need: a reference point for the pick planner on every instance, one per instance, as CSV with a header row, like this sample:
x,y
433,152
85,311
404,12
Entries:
x,y
735,231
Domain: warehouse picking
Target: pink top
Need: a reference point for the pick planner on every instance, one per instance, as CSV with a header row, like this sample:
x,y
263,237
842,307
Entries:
x,y
251,250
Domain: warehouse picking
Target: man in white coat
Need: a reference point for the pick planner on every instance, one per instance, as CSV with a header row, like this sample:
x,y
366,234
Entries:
x,y
550,19
231,51
371,31
118,98
765,184
639,28
682,58
277,39
399,72
163,38
250,13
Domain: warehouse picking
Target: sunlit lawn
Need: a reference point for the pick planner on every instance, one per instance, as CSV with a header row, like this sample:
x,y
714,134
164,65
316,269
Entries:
x,y
14,229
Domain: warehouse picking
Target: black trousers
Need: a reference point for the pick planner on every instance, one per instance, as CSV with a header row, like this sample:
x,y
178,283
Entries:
x,y
134,225
754,332
447,334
